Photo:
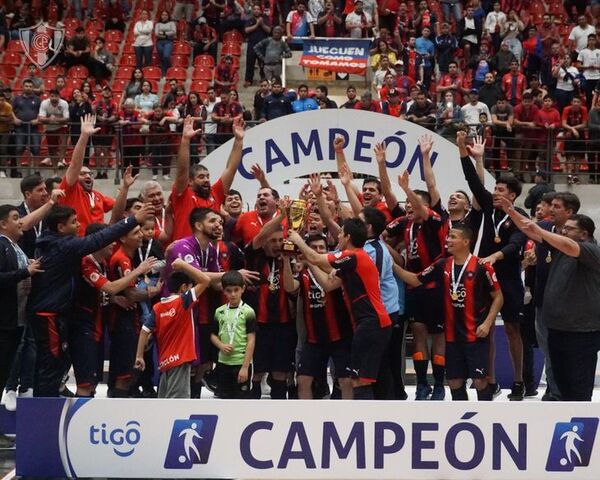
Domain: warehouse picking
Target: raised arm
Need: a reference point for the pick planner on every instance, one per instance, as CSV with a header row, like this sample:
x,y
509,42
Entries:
x,y
477,151
346,179
520,220
318,259
259,174
317,190
183,156
121,200
483,197
235,157
290,284
340,158
419,208
384,178
201,279
328,281
426,144
269,229
87,130
116,286
35,217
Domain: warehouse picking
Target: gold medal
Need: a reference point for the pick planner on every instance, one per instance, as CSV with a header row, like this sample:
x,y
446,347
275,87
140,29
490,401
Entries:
x,y
454,296
548,257
497,239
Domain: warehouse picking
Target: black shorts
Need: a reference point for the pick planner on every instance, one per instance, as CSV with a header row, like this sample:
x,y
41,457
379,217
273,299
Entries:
x,y
467,360
123,347
227,383
368,347
513,293
205,350
426,306
275,347
87,352
315,357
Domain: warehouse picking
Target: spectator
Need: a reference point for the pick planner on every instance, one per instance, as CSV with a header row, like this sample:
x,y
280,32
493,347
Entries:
x,y
383,71
527,133
351,96
589,63
54,116
574,121
513,84
490,91
392,106
384,35
548,34
107,114
277,104
449,114
358,22
481,65
404,83
532,47
133,143
413,63
304,102
548,117
446,45
146,100
114,16
22,19
210,127
160,142
567,82
536,90
134,87
65,92
225,75
495,23
224,113
451,10
404,27
257,29
204,38
473,109
212,10
410,100
7,119
271,51
172,93
514,28
329,23
102,55
195,109
142,43
86,89
367,103
89,13
165,32
502,128
33,75
594,132
259,98
425,48
78,52
26,108
452,82
422,112
580,33
78,109
424,18
383,50
184,9
389,83
300,23
502,60
321,96
548,66
469,31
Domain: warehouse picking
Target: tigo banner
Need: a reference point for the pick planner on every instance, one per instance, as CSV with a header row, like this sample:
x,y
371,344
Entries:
x,y
347,56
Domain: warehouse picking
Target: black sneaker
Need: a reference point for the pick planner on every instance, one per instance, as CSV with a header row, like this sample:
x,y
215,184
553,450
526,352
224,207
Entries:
x,y
531,391
548,396
66,393
495,389
517,393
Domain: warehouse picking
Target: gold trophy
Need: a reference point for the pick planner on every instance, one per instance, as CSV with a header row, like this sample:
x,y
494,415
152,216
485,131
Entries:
x,y
296,215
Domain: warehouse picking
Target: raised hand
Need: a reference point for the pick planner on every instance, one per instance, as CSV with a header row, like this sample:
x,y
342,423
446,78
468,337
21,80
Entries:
x,y
404,180
249,276
304,192
146,265
56,194
146,211
188,128
345,176
503,202
478,148
461,137
128,178
87,125
426,144
258,173
332,194
380,152
315,184
238,128
339,143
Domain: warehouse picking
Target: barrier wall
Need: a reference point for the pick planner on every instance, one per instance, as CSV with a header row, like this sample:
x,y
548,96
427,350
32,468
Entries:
x,y
306,440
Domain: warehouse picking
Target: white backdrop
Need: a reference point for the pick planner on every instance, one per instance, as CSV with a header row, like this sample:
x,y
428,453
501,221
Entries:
x,y
302,143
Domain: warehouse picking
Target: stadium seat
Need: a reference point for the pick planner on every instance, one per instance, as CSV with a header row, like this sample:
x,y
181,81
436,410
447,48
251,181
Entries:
x,y
113,36
182,48
12,58
15,46
128,48
202,73
231,49
233,36
78,71
73,83
8,71
151,73
119,84
127,60
52,71
182,29
177,73
204,61
124,72
199,86
181,61
72,22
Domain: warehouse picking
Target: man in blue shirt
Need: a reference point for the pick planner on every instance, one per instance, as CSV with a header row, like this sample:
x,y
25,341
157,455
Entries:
x,y
425,47
390,384
304,102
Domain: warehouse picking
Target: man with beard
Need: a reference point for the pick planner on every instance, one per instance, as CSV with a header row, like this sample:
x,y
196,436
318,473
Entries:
x,y
192,188
250,223
152,193
78,183
231,210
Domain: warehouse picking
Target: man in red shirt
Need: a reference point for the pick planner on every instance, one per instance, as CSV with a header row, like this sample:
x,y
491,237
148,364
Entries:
x,y
527,132
574,121
192,188
367,103
392,106
548,117
78,183
514,83
453,82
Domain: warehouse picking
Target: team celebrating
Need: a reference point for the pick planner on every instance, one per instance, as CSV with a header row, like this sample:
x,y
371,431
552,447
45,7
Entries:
x,y
213,296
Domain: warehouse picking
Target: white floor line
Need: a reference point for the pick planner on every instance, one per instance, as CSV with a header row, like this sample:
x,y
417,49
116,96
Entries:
x,y
10,475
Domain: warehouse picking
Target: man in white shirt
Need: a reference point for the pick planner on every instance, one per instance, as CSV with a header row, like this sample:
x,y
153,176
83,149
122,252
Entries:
x,y
578,38
54,115
589,62
358,22
473,109
210,127
382,71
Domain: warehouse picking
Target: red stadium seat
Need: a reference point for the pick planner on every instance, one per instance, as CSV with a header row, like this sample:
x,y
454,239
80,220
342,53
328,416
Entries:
x,y
182,48
8,71
119,84
181,61
128,48
152,73
53,71
231,49
12,58
113,36
124,72
233,36
177,73
127,60
112,47
78,71
15,46
202,73
73,83
182,29
204,61
199,86
72,22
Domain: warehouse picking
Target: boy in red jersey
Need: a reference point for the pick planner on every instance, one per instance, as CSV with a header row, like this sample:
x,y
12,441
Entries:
x,y
173,324
356,272
472,299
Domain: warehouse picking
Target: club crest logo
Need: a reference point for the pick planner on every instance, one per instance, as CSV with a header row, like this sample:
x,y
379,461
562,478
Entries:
x,y
41,43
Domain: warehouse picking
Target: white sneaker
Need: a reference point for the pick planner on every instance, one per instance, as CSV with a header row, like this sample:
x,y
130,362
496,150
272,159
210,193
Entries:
x,y
27,393
154,177
2,174
166,177
62,164
3,399
10,400
46,162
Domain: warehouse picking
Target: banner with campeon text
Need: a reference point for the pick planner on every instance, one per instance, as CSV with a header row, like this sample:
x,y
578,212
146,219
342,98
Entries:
x,y
346,56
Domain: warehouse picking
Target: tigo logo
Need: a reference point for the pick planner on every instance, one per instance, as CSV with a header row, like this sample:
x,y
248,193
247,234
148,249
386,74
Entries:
x,y
191,441
572,444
